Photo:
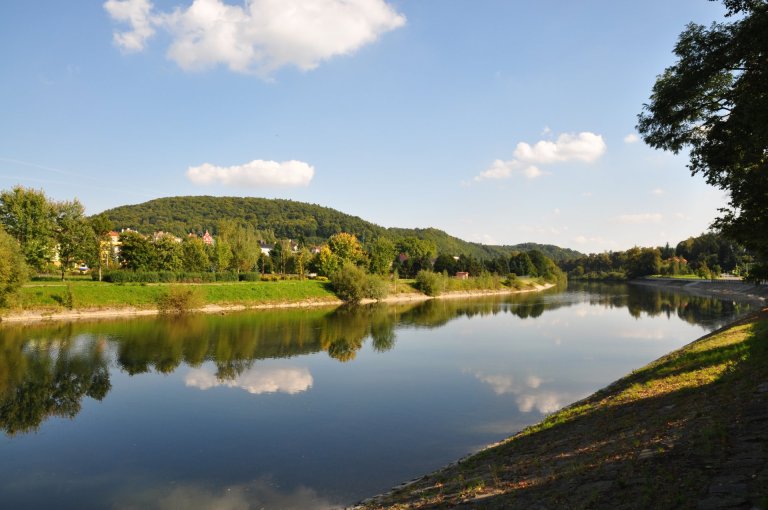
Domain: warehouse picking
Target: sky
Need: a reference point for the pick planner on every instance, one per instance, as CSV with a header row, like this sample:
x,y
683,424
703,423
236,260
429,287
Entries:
x,y
498,121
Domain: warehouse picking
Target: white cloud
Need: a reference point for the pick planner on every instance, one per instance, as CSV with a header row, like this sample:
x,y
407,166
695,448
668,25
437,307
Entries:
x,y
638,219
256,173
584,147
658,191
631,138
138,14
260,35
289,380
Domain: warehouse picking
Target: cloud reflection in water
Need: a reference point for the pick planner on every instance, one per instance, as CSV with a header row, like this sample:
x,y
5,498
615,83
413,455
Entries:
x,y
256,381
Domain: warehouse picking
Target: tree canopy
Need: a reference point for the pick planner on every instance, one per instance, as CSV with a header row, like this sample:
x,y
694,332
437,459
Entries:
x,y
714,102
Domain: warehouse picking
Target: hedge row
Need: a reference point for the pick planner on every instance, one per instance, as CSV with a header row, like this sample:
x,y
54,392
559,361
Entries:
x,y
173,277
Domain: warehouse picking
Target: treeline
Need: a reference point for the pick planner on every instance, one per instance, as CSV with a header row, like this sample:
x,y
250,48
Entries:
x,y
58,236
707,256
286,219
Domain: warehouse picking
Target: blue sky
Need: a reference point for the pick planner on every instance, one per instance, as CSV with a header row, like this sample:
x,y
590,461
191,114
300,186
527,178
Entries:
x,y
497,121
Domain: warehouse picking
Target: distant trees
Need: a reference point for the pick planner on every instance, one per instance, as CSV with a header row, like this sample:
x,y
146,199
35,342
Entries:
x,y
706,255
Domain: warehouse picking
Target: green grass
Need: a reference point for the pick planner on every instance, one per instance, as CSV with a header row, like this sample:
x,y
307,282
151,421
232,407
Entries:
x,y
84,294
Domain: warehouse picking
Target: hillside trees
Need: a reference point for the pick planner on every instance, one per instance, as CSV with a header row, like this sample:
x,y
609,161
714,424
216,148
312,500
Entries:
x,y
714,102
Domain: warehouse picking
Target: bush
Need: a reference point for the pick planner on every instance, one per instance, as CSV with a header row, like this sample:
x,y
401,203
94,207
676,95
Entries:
x,y
178,300
250,277
352,284
431,284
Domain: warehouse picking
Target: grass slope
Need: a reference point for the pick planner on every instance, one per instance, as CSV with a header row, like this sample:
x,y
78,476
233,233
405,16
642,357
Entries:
x,y
690,430
83,294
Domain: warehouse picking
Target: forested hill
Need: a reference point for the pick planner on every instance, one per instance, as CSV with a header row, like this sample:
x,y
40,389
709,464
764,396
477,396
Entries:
x,y
294,220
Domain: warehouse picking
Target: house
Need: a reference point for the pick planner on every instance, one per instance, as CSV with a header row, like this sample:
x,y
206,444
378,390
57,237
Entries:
x,y
462,275
207,238
266,248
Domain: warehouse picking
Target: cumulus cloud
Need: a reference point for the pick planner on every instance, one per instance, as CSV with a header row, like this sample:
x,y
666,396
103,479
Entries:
x,y
258,36
254,174
137,14
584,147
631,138
639,219
289,380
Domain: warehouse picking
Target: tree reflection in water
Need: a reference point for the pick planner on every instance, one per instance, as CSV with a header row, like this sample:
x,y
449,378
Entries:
x,y
47,370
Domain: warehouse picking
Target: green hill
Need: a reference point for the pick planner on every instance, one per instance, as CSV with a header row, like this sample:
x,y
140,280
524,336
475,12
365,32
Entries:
x,y
294,220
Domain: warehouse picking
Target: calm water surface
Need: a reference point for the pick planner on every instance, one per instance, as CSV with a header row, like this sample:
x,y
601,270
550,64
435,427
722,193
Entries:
x,y
311,408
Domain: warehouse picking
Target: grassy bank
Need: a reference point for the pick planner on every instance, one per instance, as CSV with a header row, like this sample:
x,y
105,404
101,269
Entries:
x,y
84,294
689,430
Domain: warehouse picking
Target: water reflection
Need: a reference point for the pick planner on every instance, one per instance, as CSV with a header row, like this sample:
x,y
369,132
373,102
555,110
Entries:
x,y
290,380
47,370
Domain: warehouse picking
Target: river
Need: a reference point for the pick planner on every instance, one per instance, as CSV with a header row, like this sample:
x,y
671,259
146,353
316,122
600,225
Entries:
x,y
308,408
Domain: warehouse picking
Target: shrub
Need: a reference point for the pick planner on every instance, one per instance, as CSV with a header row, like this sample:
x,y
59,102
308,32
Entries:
x,y
431,284
178,300
375,287
352,284
250,277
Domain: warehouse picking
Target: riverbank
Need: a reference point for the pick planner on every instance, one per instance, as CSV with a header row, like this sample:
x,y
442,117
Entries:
x,y
689,430
307,299
719,288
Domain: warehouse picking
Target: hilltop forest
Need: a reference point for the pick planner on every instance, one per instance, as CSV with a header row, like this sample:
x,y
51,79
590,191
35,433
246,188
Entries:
x,y
287,219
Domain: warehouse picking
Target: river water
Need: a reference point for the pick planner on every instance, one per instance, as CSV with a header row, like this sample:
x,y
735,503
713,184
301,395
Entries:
x,y
308,408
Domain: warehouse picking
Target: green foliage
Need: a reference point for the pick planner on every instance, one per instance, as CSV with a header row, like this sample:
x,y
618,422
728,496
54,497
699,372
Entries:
x,y
13,268
352,284
30,218
73,234
179,300
194,255
381,253
286,219
347,248
431,283
714,101
243,242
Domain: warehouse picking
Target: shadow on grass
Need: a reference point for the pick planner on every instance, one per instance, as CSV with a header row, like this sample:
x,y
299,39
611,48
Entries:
x,y
657,451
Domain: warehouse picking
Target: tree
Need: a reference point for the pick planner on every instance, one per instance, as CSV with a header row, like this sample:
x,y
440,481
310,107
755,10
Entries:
x,y
13,268
194,255
136,252
346,247
29,217
714,101
73,234
244,244
169,254
102,226
327,262
381,253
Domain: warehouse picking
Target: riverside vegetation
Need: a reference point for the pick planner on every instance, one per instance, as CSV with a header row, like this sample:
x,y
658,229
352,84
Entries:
x,y
231,269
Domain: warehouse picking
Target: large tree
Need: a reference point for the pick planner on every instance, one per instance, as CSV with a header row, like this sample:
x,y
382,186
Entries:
x,y
73,234
714,102
29,217
13,269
